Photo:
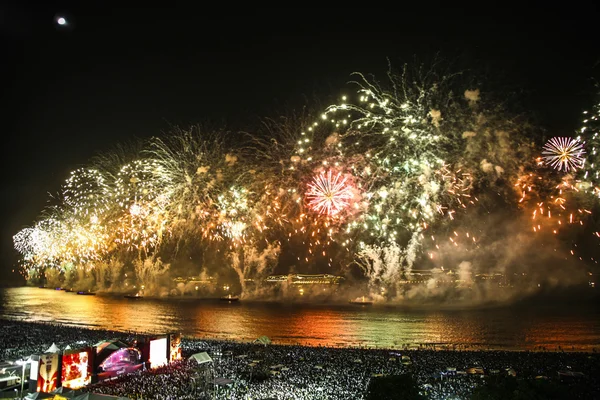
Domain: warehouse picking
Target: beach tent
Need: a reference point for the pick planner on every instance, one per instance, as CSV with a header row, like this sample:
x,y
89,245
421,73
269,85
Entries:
x,y
53,349
201,358
223,382
571,374
63,393
263,340
38,395
113,344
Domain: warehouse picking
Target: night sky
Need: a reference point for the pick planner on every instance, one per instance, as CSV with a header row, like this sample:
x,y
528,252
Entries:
x,y
112,74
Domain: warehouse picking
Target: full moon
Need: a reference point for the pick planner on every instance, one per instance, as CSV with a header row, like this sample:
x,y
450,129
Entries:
x,y
61,21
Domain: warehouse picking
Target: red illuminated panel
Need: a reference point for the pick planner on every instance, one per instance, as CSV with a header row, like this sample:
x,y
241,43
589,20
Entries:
x,y
48,373
75,370
175,344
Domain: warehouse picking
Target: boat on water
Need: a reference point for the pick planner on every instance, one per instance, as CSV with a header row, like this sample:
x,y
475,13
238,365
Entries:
x,y
230,298
133,296
363,301
86,293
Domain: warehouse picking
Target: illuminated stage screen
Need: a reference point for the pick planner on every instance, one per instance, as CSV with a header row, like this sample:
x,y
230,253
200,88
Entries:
x,y
48,373
75,370
121,361
158,352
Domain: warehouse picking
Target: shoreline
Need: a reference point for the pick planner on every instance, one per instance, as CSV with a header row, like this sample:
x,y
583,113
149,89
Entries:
x,y
412,347
563,297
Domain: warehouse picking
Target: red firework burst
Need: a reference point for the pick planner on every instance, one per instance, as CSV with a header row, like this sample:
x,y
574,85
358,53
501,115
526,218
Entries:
x,y
329,193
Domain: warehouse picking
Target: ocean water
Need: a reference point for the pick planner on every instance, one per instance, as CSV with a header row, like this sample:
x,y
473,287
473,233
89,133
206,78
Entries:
x,y
572,326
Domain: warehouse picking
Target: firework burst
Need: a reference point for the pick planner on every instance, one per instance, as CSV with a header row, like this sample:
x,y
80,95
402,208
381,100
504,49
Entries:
x,y
564,153
385,179
329,193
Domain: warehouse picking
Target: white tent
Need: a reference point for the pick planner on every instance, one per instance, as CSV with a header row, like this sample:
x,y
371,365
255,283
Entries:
x,y
223,381
53,349
264,340
201,358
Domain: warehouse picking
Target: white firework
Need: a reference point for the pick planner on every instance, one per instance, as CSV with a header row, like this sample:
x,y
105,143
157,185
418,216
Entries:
x,y
564,154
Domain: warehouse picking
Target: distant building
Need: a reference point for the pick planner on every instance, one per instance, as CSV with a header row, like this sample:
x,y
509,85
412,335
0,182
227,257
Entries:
x,y
300,280
196,280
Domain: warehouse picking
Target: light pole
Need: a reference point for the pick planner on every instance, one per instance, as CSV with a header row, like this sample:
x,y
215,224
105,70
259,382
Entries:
x,y
28,361
22,380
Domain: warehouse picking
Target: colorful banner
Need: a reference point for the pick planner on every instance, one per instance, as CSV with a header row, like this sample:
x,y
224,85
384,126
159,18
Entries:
x,y
48,373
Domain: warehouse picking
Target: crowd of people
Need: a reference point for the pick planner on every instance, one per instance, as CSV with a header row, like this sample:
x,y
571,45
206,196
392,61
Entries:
x,y
168,382
271,371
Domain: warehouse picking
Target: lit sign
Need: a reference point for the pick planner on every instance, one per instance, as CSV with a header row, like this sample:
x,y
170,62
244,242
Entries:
x,y
158,352
48,373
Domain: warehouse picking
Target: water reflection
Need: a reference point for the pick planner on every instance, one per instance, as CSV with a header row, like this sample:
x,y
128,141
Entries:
x,y
331,325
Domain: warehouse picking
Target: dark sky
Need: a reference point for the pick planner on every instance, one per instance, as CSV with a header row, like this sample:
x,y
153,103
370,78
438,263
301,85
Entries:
x,y
115,73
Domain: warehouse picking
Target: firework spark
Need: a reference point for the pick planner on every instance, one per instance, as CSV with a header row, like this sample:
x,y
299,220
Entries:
x,y
564,153
329,193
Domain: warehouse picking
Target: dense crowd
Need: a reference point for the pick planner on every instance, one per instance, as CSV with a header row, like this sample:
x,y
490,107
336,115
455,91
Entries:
x,y
257,371
168,382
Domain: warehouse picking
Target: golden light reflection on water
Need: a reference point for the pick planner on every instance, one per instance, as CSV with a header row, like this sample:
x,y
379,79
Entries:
x,y
314,325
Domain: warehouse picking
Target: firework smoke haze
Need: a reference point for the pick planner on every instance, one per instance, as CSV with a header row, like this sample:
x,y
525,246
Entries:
x,y
422,172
